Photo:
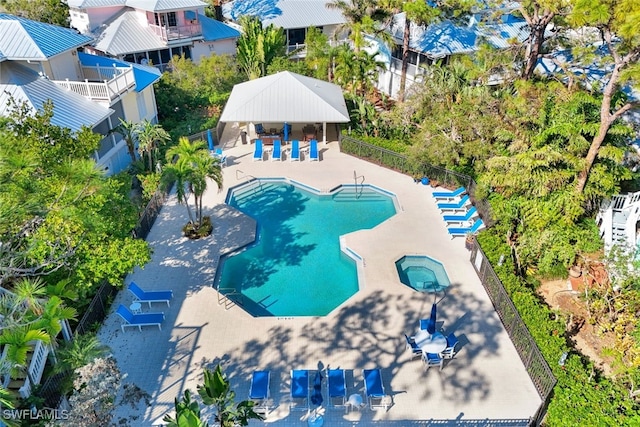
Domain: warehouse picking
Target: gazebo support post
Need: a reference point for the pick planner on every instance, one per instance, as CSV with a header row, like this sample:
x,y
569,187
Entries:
x,y
324,132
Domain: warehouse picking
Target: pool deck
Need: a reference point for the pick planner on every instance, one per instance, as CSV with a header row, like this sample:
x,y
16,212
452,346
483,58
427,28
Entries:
x,y
485,384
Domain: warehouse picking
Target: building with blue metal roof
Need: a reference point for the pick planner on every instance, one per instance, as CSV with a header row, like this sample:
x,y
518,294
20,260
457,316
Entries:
x,y
41,63
151,32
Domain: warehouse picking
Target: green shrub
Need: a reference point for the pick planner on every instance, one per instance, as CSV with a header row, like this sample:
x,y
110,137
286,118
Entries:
x,y
395,145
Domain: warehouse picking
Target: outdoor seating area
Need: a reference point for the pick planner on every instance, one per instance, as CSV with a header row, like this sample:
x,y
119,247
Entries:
x,y
294,152
460,216
133,316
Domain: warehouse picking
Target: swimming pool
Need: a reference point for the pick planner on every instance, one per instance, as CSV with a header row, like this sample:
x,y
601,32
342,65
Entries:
x,y
296,267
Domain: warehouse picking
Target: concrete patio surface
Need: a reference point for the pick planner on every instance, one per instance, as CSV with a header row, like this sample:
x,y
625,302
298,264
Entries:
x,y
485,384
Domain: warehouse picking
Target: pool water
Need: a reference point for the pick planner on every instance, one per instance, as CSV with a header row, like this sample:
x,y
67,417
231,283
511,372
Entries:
x,y
296,267
422,273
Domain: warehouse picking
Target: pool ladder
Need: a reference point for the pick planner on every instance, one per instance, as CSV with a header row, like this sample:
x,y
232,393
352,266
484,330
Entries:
x,y
355,180
226,301
247,177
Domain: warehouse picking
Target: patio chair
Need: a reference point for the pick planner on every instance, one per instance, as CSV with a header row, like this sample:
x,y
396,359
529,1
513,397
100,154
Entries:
x,y
411,345
448,195
218,154
374,389
257,150
259,391
294,151
299,390
313,151
431,359
337,388
462,231
149,296
450,351
260,129
139,320
455,206
276,153
471,214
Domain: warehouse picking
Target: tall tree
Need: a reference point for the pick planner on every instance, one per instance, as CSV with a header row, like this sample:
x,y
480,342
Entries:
x,y
618,23
129,132
150,137
259,46
363,17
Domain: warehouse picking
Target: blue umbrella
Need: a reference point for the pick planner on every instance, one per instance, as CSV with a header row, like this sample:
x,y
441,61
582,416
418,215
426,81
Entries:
x,y
286,131
431,326
316,397
210,139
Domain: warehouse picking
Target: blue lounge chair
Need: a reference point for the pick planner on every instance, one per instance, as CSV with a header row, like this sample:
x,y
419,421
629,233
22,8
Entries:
x,y
471,213
260,129
411,344
313,151
299,390
462,231
276,153
218,154
450,351
294,152
149,296
447,195
337,385
257,150
455,206
139,320
259,390
431,359
374,389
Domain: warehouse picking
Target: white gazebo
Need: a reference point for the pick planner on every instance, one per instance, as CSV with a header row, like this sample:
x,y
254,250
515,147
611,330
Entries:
x,y
286,97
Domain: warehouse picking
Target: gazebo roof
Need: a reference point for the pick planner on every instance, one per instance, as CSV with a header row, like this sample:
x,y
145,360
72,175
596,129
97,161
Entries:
x,y
286,97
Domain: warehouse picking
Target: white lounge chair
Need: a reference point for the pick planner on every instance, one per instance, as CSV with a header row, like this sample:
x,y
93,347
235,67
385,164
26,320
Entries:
x,y
149,296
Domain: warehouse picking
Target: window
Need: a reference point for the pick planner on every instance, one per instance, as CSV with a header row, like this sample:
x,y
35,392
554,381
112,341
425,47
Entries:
x,y
166,19
297,36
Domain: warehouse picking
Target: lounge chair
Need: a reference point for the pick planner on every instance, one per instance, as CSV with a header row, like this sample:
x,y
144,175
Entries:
x,y
299,390
218,154
259,391
471,213
276,153
260,129
257,150
462,231
139,320
313,151
448,195
450,351
374,389
337,385
455,206
149,296
411,345
431,359
294,151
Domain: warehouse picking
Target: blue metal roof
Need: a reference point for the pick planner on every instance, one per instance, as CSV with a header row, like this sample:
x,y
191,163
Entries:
x,y
215,30
143,74
24,39
70,110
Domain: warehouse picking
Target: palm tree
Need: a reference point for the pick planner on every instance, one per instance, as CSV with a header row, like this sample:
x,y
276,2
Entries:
x,y
80,351
129,132
150,136
259,46
204,167
363,17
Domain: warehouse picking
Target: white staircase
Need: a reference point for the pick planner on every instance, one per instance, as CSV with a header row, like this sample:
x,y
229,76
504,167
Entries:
x,y
617,220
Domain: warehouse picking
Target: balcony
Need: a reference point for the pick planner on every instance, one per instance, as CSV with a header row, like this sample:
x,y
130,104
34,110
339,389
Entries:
x,y
36,360
101,83
193,31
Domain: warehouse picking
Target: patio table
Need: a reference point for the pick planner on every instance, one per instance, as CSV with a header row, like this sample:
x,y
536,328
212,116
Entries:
x,y
430,343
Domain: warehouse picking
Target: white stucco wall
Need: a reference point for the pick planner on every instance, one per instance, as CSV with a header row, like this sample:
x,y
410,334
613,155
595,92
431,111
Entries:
x,y
219,47
65,66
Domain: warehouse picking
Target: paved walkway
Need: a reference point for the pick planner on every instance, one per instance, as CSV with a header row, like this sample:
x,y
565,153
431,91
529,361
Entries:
x,y
486,384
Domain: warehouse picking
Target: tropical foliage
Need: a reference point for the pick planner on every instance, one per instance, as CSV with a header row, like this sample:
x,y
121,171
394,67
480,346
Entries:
x,y
259,46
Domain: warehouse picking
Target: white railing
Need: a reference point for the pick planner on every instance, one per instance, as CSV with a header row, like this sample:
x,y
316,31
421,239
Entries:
x,y
36,368
109,89
177,33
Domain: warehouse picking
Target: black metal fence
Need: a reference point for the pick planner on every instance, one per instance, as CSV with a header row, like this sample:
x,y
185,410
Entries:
x,y
533,360
149,215
436,174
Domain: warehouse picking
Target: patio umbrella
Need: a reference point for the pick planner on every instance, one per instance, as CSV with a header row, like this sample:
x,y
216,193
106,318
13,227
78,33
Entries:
x,y
431,326
210,139
286,131
316,397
